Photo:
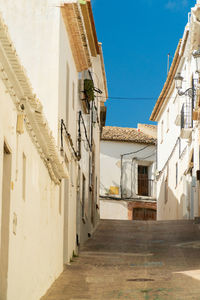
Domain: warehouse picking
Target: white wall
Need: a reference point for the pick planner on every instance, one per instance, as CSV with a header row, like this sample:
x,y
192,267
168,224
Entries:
x,y
34,30
110,164
35,251
68,112
181,201
93,132
113,210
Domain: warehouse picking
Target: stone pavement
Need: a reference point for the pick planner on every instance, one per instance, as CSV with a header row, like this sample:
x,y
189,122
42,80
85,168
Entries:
x,y
134,260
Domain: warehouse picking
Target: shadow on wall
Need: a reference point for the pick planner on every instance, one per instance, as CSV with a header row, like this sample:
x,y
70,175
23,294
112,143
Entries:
x,y
169,206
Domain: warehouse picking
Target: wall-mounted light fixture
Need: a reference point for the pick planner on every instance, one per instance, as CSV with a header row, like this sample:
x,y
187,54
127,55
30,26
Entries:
x,y
179,79
179,82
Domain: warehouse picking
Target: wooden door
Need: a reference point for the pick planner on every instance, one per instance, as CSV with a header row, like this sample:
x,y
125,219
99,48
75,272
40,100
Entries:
x,y
144,214
143,189
138,214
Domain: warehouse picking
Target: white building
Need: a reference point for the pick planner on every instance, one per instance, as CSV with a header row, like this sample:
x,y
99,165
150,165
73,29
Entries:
x,y
127,173
48,136
176,112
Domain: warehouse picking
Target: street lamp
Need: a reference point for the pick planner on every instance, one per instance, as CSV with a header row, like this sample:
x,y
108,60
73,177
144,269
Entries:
x,y
179,79
178,83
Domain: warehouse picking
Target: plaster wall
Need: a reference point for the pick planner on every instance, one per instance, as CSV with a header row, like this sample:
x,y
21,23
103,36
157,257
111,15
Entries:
x,y
34,30
114,210
36,220
110,164
168,131
87,224
68,111
177,189
174,198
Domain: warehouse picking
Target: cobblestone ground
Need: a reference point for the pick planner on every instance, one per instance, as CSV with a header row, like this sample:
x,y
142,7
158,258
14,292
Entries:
x,y
134,260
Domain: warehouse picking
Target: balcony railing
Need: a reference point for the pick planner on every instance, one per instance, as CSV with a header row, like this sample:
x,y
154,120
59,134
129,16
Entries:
x,y
186,115
187,109
145,187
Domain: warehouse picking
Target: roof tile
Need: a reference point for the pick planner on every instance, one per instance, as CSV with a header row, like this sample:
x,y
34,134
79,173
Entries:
x,y
123,134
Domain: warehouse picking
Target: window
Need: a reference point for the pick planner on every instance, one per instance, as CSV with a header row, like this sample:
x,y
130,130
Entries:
x,y
143,182
24,177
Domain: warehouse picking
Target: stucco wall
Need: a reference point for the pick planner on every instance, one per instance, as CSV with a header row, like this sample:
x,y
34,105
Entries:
x,y
34,30
180,201
113,210
110,165
68,111
36,222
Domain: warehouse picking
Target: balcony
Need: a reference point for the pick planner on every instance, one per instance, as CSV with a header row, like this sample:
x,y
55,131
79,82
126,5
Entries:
x,y
186,119
145,187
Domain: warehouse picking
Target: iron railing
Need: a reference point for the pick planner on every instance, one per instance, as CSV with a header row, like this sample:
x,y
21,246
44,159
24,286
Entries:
x,y
145,187
187,109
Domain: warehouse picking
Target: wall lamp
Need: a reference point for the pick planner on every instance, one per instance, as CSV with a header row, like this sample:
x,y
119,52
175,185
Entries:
x,y
179,79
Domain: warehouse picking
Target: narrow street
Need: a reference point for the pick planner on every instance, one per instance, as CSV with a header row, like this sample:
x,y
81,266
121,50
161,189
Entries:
x,y
134,260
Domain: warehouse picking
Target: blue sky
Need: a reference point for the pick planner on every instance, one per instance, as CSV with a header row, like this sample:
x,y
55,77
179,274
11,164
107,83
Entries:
x,y
136,37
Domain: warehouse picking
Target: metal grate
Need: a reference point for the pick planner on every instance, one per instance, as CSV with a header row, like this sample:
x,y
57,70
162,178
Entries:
x,y
187,108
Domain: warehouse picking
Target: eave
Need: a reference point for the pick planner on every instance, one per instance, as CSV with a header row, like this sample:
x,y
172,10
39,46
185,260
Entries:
x,y
103,72
87,13
170,79
74,24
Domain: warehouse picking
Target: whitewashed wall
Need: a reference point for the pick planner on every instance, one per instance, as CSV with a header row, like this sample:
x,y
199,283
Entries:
x,y
36,239
49,220
113,210
34,30
181,201
110,164
68,112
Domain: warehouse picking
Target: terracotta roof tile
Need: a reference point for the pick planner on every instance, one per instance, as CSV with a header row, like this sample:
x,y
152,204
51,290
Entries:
x,y
150,126
123,134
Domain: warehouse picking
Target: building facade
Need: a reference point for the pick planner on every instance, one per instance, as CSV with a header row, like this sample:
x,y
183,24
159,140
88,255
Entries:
x,y
177,113
127,173
53,88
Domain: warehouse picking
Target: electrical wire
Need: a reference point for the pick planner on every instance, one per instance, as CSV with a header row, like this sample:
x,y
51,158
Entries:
x,y
148,156
135,98
136,151
85,130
